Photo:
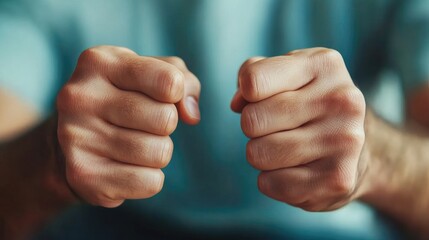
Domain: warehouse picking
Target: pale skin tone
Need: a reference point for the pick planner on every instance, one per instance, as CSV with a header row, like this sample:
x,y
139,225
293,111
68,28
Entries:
x,y
311,136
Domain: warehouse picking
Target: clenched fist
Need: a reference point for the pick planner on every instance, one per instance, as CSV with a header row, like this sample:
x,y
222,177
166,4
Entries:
x,y
305,119
115,117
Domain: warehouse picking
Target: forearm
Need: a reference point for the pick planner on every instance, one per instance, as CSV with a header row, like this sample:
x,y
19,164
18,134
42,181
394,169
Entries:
x,y
32,184
397,180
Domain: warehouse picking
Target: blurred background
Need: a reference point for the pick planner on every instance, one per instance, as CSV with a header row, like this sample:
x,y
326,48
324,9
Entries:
x,y
383,43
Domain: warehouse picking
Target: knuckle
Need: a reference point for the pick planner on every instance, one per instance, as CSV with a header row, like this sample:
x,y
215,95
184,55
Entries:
x,y
90,56
75,97
251,121
166,152
66,135
263,183
248,62
256,155
348,101
328,57
341,182
332,55
67,97
337,98
171,84
346,139
148,152
352,138
78,174
176,61
167,119
355,102
250,79
155,184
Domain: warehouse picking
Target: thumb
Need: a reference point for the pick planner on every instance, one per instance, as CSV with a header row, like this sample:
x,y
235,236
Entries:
x,y
238,102
188,107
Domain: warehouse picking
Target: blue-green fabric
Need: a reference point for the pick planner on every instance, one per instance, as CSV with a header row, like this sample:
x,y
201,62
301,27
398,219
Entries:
x,y
209,187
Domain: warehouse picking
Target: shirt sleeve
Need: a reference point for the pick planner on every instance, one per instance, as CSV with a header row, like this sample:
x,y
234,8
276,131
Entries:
x,y
410,43
28,64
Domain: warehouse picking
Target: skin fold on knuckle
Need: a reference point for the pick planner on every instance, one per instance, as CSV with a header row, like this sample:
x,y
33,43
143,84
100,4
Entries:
x,y
157,152
154,153
136,183
165,151
166,119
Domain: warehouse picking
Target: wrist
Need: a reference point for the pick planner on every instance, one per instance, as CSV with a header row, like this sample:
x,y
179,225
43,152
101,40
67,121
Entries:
x,y
376,174
394,176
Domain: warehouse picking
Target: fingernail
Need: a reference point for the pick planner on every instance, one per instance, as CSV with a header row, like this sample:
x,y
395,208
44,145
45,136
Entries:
x,y
192,107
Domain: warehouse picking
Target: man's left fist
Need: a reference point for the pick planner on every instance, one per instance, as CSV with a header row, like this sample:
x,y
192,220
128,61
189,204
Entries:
x,y
305,118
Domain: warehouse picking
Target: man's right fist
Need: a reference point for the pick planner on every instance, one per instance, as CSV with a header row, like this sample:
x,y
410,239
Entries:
x,y
115,117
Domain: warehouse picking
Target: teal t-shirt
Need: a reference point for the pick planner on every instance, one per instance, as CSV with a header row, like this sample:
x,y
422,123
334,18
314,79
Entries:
x,y
209,187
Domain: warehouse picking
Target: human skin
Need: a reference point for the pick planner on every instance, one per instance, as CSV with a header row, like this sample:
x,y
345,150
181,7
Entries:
x,y
305,120
319,148
115,116
103,159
